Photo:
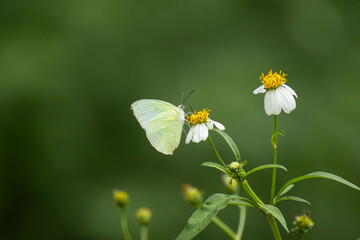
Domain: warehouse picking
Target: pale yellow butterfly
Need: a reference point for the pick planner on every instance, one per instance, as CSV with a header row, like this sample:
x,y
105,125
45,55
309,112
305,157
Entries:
x,y
162,121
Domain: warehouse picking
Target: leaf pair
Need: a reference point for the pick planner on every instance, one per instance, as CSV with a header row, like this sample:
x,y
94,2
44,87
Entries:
x,y
236,152
289,184
224,170
202,217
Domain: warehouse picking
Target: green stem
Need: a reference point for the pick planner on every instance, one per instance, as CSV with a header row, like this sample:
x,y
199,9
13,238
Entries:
x,y
224,227
273,180
124,225
245,185
257,200
216,220
242,219
216,152
274,227
143,232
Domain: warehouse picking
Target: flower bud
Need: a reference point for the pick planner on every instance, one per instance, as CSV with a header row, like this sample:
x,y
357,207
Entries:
x,y
234,166
302,224
143,215
242,174
231,185
121,198
192,195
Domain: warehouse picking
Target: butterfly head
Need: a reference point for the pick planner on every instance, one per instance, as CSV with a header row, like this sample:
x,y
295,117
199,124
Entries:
x,y
182,107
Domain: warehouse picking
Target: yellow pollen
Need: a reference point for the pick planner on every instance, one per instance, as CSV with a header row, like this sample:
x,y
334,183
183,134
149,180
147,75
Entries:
x,y
273,80
199,117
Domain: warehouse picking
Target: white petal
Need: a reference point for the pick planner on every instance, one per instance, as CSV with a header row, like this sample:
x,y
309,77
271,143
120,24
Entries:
x,y
218,125
210,124
290,89
267,102
260,89
204,133
285,98
277,102
272,102
288,101
190,135
196,136
291,98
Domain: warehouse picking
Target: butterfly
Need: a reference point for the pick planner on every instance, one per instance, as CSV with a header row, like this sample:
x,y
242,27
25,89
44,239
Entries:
x,y
162,121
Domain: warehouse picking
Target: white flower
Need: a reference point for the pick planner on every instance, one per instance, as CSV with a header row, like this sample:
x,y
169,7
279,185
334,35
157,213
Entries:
x,y
277,94
201,124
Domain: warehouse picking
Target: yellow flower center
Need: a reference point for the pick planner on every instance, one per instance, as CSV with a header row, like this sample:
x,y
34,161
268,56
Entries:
x,y
121,198
143,215
273,80
199,117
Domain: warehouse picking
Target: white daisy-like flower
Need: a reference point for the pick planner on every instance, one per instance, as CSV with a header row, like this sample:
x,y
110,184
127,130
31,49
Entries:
x,y
278,95
200,126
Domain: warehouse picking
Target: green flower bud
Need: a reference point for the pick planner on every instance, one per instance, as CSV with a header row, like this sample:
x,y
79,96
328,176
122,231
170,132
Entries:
x,y
302,224
234,166
143,215
242,174
192,195
121,198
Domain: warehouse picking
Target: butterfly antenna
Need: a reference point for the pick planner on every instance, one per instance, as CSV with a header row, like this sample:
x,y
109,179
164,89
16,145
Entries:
x,y
192,110
188,96
182,95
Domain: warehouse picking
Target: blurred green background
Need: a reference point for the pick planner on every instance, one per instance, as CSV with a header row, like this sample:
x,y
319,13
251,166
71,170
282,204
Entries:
x,y
70,70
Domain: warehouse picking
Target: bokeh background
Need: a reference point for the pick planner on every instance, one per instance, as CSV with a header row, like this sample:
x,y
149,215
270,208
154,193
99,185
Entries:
x,y
70,70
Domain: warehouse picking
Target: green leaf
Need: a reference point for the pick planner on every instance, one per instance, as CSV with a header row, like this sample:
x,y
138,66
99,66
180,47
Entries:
x,y
276,213
265,166
202,217
293,198
317,175
231,143
242,202
215,165
282,133
288,188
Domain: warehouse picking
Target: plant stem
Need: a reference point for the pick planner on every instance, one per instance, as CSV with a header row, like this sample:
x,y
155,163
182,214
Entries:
x,y
245,185
216,220
274,227
143,232
216,152
224,227
242,219
124,225
273,180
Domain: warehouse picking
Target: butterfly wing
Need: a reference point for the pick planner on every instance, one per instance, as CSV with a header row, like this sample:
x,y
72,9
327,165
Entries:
x,y
162,121
164,132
